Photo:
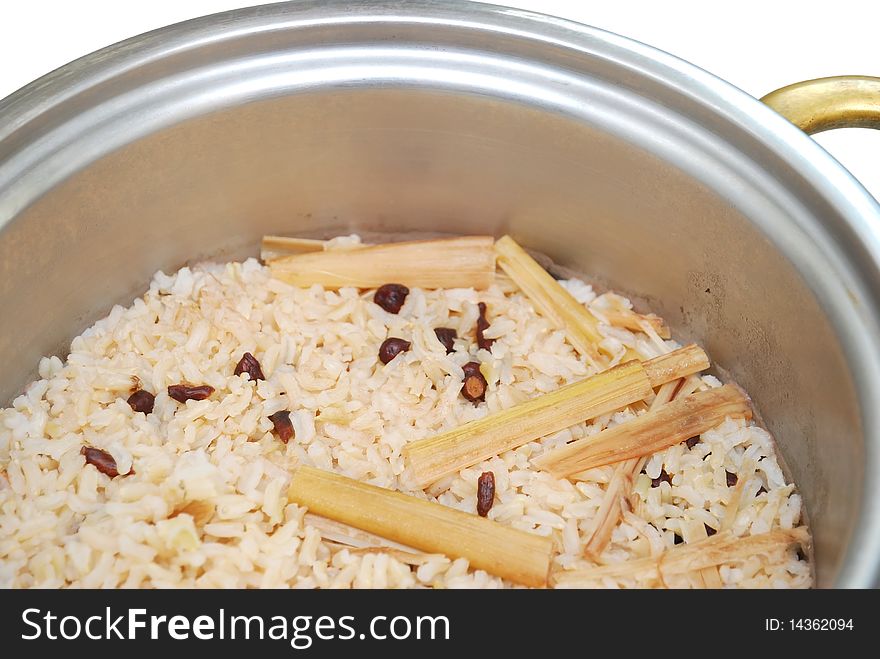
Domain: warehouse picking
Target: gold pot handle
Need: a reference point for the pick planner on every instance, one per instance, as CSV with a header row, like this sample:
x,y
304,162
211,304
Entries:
x,y
827,103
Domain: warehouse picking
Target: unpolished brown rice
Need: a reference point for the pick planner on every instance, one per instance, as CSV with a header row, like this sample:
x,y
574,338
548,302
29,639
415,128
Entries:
x,y
62,523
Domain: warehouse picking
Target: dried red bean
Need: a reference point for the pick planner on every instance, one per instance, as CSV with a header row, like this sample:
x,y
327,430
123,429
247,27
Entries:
x,y
100,460
692,442
474,385
485,493
471,368
483,325
446,336
184,392
474,388
142,401
392,347
283,425
249,364
731,478
391,297
663,477
709,530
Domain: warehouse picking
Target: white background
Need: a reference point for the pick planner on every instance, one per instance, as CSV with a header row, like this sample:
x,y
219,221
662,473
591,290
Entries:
x,y
757,46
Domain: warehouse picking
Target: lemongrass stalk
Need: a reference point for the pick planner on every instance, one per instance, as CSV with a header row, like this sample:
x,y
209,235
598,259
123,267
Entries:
x,y
613,501
551,299
344,534
424,525
620,488
684,361
631,320
406,557
720,549
746,471
651,432
466,262
432,458
275,247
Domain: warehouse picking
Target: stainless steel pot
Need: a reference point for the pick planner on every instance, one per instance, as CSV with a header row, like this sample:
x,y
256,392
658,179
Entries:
x,y
614,158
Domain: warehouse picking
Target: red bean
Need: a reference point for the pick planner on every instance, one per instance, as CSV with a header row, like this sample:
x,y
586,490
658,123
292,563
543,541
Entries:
x,y
471,368
483,325
142,401
692,442
249,364
663,477
485,493
731,478
100,460
446,336
391,297
474,385
283,425
184,392
392,347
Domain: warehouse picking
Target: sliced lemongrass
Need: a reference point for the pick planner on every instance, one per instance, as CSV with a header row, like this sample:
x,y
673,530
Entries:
x,y
720,549
344,534
745,472
635,321
611,508
466,262
406,557
707,577
275,247
551,299
651,432
429,527
430,459
685,387
684,361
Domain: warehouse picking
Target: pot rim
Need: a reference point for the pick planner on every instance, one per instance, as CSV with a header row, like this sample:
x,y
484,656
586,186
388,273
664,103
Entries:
x,y
28,111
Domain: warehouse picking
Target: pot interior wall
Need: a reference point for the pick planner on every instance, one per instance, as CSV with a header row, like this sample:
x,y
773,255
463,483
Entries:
x,y
420,160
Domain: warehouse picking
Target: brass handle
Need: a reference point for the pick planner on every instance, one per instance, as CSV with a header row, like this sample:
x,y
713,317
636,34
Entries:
x,y
827,103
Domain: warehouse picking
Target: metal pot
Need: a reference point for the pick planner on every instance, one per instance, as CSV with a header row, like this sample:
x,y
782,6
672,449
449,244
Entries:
x,y
613,158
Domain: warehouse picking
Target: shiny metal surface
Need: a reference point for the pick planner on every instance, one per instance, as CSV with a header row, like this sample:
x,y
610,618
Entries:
x,y
613,158
828,103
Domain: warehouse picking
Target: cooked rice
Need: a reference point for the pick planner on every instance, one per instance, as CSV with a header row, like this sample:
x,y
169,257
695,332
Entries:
x,y
62,523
